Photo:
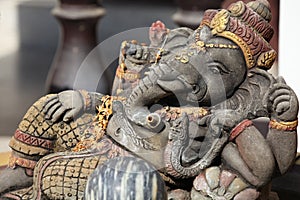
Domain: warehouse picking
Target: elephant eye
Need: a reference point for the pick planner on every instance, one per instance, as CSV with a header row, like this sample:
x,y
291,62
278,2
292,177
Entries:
x,y
218,68
195,88
214,70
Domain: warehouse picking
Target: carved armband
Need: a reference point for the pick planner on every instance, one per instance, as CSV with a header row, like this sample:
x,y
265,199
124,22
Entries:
x,y
87,100
283,126
238,129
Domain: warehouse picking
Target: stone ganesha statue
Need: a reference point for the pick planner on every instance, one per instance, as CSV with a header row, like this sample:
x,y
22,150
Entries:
x,y
184,105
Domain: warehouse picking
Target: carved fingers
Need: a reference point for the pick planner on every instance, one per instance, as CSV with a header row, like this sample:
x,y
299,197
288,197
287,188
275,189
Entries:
x,y
52,101
137,53
65,105
157,33
283,102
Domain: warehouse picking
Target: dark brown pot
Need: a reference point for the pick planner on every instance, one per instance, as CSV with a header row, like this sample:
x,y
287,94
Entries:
x,y
78,21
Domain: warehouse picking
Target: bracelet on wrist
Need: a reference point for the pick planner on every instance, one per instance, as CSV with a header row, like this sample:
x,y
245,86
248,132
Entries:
x,y
285,126
87,100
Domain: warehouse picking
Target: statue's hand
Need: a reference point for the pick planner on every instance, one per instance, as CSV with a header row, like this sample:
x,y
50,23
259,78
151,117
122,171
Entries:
x,y
135,52
157,33
65,105
283,102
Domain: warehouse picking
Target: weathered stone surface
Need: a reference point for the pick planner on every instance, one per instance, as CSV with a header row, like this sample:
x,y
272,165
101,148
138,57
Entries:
x,y
236,186
226,178
200,183
212,176
284,148
256,153
249,194
233,159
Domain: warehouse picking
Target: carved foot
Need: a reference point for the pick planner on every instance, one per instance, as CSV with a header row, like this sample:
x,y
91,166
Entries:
x,y
215,183
13,179
179,194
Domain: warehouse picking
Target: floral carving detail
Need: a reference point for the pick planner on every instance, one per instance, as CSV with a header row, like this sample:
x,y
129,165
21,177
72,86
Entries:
x,y
220,21
237,8
267,59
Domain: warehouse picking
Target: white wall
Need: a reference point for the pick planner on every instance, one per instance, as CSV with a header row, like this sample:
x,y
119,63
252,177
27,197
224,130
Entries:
x,y
289,45
8,27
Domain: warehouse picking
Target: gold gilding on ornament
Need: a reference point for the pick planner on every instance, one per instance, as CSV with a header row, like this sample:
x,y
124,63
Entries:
x,y
243,45
237,9
267,59
220,21
285,126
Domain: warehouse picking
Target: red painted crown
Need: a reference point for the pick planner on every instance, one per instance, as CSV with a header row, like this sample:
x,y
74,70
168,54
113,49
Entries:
x,y
248,26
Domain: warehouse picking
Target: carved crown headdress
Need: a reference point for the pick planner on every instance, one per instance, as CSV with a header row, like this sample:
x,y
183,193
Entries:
x,y
248,26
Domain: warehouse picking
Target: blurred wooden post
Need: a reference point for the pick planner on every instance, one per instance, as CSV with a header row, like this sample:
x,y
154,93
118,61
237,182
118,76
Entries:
x,y
78,20
190,12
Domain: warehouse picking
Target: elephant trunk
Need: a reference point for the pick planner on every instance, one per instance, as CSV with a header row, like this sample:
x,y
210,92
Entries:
x,y
147,92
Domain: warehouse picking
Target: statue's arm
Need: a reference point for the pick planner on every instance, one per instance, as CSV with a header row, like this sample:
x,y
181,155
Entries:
x,y
282,136
70,104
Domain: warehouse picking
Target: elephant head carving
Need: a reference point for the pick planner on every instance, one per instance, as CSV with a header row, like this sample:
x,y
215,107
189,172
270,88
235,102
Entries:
x,y
222,65
209,64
